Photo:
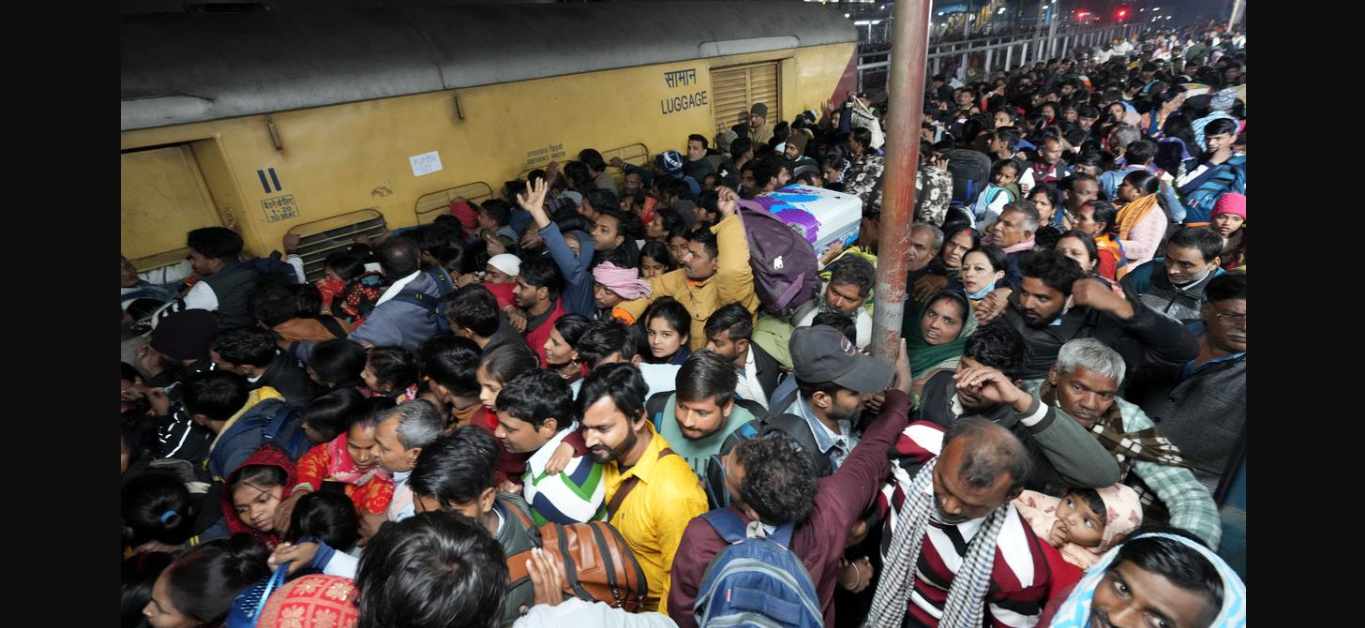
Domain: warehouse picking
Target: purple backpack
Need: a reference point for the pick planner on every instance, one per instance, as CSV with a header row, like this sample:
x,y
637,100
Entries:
x,y
786,272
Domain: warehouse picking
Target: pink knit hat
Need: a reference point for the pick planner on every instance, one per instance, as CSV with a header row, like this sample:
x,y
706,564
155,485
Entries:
x,y
1230,203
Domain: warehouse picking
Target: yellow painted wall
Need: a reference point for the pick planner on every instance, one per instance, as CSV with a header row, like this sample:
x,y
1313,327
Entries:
x,y
342,158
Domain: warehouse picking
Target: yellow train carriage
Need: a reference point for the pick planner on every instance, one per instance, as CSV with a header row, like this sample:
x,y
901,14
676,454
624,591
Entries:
x,y
332,124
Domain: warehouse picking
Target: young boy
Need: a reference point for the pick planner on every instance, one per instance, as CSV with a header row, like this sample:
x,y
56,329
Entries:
x,y
997,194
535,414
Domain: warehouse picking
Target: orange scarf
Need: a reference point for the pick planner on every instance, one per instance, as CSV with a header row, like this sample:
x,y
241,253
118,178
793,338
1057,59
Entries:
x,y
1132,214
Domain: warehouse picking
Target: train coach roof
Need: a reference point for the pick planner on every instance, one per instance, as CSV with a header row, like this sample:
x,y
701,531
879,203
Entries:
x,y
192,67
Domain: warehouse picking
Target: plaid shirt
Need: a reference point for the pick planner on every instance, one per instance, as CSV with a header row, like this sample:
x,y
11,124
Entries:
x,y
1190,505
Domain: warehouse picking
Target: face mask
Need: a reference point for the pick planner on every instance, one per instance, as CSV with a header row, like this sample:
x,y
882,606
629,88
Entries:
x,y
982,294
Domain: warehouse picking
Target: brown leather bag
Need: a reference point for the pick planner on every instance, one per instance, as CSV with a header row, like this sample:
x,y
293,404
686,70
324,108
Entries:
x,y
597,564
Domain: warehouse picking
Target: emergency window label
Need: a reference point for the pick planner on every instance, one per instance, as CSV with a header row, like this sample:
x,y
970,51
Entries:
x,y
281,208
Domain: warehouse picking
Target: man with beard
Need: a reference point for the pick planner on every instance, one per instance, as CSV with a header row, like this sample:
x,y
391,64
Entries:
x,y
1056,303
986,384
539,285
651,492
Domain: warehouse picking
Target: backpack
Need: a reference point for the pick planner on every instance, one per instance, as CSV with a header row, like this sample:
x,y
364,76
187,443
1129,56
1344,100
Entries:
x,y
284,428
971,170
755,582
435,305
786,272
598,564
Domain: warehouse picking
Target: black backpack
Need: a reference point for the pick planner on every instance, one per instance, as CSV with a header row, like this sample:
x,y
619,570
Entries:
x,y
971,171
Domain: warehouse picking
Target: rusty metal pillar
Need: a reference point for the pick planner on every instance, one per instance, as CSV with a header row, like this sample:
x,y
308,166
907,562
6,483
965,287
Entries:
x,y
906,110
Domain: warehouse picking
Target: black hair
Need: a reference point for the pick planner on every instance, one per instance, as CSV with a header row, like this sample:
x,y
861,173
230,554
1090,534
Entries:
x,y
330,413
498,210
855,271
765,168
740,146
623,383
572,328
137,577
998,346
1221,126
602,200
1086,241
576,172
451,361
670,310
537,395
474,308
543,272
258,476
1140,152
1206,240
506,361
393,365
456,469
1054,269
251,346
781,131
274,303
204,582
338,363
697,137
215,394
708,241
950,294
309,300
733,318
1179,564
434,238
778,483
1092,499
604,338
156,507
434,570
705,374
218,243
1102,211
654,250
398,257
139,436
995,451
1226,286
840,321
592,159
329,517
372,412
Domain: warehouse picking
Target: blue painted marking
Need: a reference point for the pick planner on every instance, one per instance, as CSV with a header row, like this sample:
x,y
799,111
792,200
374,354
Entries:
x,y
264,184
275,179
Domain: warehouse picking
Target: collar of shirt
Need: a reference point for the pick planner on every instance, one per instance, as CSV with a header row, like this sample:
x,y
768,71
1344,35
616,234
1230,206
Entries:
x,y
396,288
542,456
824,438
1197,328
644,468
748,380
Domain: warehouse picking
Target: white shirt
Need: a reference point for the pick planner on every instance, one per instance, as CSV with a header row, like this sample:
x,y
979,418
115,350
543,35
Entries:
x,y
749,386
396,288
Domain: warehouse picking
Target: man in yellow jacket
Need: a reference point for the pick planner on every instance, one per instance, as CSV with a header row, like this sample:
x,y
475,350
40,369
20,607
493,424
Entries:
x,y
715,273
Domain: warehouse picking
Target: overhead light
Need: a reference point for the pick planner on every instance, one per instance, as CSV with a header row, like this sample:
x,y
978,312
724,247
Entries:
x,y
847,15
1156,9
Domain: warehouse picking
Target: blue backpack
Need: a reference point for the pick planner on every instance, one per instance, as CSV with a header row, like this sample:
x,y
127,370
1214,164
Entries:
x,y
285,429
445,286
755,582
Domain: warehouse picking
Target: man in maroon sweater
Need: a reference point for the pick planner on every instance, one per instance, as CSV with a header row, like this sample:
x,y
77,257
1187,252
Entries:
x,y
830,510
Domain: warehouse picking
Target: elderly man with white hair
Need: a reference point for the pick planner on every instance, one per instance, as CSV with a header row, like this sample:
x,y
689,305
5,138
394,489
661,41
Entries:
x,y
1084,384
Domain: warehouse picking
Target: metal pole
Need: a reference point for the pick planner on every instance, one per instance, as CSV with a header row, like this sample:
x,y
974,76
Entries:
x,y
1009,57
1052,29
906,109
987,70
1232,21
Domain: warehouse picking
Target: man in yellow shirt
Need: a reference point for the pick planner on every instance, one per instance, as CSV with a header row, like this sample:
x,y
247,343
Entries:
x,y
715,272
652,493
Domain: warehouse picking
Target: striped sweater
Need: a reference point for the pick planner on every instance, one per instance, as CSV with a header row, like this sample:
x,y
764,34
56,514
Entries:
x,y
576,495
1027,571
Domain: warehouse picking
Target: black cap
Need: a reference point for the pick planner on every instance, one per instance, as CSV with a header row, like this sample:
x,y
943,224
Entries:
x,y
822,354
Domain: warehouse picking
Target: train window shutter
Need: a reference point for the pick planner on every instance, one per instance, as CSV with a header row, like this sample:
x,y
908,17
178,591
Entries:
x,y
735,89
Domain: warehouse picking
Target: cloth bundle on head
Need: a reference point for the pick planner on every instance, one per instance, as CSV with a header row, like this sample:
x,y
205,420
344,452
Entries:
x,y
625,282
1223,100
723,140
185,335
1230,203
671,162
759,109
507,263
1075,612
313,601
465,213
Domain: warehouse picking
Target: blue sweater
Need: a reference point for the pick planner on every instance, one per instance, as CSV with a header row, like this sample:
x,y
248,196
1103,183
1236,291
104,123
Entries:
x,y
578,281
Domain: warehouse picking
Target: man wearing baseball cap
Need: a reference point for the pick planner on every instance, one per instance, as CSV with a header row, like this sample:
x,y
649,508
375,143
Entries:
x,y
834,383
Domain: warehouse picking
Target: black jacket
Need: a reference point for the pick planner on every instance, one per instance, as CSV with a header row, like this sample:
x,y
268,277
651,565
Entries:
x,y
769,373
1149,338
233,287
287,376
